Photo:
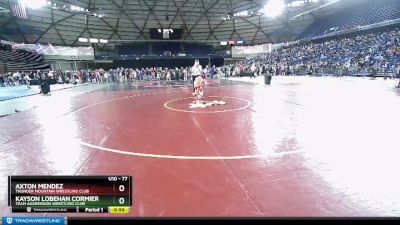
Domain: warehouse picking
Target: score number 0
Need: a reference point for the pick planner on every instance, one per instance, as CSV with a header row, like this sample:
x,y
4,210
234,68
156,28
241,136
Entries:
x,y
121,188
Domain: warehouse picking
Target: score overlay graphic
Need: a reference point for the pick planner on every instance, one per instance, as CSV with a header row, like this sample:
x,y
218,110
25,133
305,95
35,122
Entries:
x,y
70,194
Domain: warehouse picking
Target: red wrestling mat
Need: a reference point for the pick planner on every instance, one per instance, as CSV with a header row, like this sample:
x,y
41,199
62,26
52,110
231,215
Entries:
x,y
267,152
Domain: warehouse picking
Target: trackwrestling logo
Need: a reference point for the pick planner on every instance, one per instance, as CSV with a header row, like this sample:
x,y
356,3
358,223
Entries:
x,y
33,220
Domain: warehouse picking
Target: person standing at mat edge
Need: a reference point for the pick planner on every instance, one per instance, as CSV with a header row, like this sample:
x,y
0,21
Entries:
x,y
196,71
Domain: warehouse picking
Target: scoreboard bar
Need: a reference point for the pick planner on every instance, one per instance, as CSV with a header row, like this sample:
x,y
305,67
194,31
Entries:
x,y
79,179
70,194
110,209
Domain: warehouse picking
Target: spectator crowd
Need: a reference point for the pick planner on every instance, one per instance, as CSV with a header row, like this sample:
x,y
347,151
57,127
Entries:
x,y
368,54
101,75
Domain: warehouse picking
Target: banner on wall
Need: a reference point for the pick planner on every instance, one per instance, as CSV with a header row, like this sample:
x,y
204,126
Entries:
x,y
51,52
246,51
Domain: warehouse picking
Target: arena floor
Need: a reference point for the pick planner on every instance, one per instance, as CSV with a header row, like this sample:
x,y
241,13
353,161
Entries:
x,y
305,146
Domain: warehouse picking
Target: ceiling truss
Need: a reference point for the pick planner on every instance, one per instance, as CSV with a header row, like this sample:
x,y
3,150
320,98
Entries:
x,y
200,20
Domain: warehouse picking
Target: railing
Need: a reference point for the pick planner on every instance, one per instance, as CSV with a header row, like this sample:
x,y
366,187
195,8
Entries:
x,y
353,71
129,57
352,30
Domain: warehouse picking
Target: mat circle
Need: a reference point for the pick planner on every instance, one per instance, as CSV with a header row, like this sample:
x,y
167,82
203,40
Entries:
x,y
168,106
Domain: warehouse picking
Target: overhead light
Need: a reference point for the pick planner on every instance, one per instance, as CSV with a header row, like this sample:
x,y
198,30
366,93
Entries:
x,y
242,13
104,41
296,3
93,40
34,4
83,40
69,8
223,43
273,8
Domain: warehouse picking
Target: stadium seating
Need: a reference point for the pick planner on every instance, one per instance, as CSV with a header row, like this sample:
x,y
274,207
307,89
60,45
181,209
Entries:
x,y
197,50
20,60
361,54
158,48
371,12
138,49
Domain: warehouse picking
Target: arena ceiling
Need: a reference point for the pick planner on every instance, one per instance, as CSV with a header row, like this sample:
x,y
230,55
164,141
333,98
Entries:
x,y
130,21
